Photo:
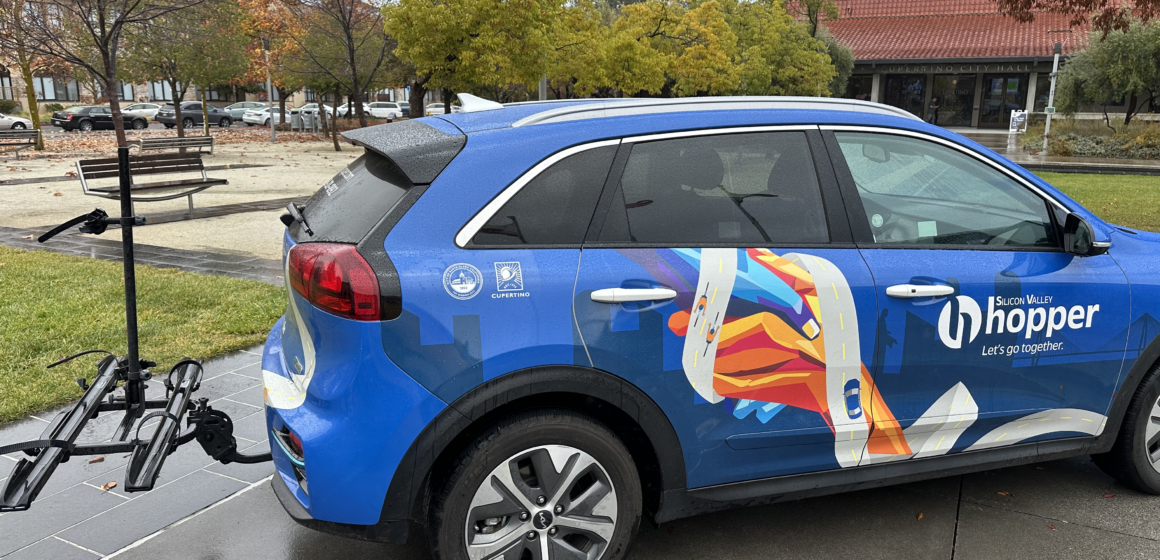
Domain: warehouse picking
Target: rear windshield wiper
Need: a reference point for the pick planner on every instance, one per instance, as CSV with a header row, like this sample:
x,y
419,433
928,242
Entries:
x,y
294,214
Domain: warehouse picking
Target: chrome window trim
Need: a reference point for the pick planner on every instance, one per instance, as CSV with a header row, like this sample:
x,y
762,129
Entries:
x,y
719,132
953,145
472,227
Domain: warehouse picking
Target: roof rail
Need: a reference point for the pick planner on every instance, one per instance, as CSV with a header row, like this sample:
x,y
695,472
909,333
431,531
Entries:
x,y
646,106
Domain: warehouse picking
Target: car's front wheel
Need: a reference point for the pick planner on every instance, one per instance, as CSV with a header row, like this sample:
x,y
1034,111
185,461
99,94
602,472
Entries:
x,y
1135,457
547,484
139,124
18,126
225,122
187,123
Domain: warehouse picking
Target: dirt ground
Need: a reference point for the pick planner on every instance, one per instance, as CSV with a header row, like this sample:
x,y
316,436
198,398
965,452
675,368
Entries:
x,y
298,168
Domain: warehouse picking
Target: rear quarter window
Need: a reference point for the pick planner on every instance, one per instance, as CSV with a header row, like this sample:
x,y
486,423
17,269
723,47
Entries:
x,y
346,208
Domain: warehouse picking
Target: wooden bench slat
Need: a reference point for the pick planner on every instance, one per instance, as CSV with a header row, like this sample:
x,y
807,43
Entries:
x,y
147,171
164,185
140,165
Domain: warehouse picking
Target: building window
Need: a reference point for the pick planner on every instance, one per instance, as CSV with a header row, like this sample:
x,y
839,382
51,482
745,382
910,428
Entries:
x,y
859,87
955,95
311,97
212,94
126,93
6,86
160,91
906,91
55,89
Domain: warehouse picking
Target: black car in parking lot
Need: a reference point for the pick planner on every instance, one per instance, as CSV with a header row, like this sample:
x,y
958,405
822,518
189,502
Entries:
x,y
88,117
191,115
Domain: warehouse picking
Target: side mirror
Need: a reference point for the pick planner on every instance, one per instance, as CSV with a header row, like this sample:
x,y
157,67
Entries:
x,y
1078,238
875,153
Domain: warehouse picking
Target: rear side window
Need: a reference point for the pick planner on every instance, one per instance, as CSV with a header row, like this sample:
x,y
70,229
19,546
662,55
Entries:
x,y
555,207
743,189
349,205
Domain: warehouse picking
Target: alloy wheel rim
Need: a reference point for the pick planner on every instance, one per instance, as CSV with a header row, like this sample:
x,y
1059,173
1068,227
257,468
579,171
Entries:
x,y
18,126
552,501
1152,436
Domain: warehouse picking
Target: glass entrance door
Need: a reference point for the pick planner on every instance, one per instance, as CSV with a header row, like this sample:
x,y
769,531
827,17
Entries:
x,y
1002,93
955,96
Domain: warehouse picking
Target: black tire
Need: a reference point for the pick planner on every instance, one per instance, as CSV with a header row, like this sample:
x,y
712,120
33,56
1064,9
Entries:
x,y
453,493
225,122
1129,460
187,123
139,124
86,126
267,123
18,126
170,125
249,124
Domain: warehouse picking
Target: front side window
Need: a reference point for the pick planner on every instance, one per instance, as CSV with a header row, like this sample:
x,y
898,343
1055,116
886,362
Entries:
x,y
920,192
555,207
752,189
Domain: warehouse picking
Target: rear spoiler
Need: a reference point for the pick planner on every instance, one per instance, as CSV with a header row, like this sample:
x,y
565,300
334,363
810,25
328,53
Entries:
x,y
421,151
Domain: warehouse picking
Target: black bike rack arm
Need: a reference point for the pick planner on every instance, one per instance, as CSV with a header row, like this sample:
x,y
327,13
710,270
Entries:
x,y
145,464
29,477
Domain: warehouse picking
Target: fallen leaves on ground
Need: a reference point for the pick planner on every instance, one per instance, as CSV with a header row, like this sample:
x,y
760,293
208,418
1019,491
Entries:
x,y
57,194
919,516
26,237
1109,495
1052,527
1008,494
98,459
109,485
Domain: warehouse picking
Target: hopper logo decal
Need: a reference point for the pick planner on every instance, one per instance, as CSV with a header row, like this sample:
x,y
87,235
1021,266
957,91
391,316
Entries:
x,y
968,313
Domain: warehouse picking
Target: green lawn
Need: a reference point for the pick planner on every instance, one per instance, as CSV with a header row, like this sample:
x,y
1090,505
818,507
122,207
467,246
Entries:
x,y
53,305
1126,200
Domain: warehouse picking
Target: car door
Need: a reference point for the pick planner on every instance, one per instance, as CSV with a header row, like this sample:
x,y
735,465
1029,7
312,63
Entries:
x,y
991,334
500,300
719,276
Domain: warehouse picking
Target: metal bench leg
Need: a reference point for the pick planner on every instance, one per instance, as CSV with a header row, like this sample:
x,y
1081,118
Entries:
x,y
190,197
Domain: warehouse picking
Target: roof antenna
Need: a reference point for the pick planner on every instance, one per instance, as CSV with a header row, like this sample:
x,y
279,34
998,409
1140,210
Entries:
x,y
473,104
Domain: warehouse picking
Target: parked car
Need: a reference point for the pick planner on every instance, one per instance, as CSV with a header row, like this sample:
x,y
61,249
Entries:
x,y
345,107
90,117
386,110
262,116
13,122
143,110
238,110
312,107
438,108
191,115
853,298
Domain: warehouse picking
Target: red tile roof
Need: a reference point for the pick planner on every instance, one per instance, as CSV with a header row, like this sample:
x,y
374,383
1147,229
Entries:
x,y
901,8
951,36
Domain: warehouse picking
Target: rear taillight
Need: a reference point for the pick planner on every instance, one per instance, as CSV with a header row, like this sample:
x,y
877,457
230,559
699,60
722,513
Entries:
x,y
335,278
68,117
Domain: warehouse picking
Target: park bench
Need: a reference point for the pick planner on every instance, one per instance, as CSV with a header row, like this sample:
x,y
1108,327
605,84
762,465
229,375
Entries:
x,y
172,143
158,164
16,140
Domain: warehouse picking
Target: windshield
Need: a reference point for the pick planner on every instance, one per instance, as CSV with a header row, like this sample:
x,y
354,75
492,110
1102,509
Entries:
x,y
76,109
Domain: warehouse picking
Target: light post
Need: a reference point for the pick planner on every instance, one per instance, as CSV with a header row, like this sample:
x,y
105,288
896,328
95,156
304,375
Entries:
x,y
1051,96
269,90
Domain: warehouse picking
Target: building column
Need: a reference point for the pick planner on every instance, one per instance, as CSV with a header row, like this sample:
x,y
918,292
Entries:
x,y
977,102
876,88
927,95
1031,91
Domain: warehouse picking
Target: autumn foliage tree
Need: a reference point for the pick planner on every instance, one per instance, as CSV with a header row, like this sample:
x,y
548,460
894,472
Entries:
x,y
1105,15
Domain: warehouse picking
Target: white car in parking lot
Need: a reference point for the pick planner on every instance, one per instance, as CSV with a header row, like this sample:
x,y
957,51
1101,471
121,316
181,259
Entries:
x,y
263,116
385,110
145,110
345,107
13,122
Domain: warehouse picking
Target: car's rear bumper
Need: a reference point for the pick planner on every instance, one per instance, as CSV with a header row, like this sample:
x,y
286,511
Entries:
x,y
165,120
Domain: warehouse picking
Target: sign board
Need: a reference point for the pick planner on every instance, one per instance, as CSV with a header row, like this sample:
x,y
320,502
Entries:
x,y
1018,122
1050,110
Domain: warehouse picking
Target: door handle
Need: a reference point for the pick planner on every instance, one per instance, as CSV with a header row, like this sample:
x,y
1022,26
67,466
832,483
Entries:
x,y
916,290
621,295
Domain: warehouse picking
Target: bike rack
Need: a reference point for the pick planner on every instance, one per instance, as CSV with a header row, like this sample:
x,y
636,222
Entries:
x,y
213,429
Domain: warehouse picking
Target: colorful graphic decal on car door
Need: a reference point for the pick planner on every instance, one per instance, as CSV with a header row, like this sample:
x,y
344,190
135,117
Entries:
x,y
782,331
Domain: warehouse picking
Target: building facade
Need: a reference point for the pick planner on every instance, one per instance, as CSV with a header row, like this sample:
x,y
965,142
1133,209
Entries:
x,y
962,56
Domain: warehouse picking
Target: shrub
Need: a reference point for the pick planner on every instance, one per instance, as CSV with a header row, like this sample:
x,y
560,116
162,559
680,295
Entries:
x,y
53,107
8,106
1093,138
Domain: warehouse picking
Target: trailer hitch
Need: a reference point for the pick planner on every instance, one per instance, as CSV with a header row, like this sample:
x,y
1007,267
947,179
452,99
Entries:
x,y
120,386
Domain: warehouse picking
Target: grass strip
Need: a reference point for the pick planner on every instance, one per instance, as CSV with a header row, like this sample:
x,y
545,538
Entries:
x,y
54,305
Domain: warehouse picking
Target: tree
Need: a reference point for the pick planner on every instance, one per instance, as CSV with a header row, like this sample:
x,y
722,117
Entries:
x,y
1105,15
813,12
345,39
777,55
842,57
1121,65
30,64
71,30
464,44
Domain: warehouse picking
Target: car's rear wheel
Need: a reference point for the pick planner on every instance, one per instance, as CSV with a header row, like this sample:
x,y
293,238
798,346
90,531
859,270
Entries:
x,y
1135,457
18,126
139,124
86,126
267,123
187,123
225,122
546,485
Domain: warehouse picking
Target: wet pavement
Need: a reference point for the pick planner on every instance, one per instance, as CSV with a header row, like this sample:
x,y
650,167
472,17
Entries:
x,y
1056,510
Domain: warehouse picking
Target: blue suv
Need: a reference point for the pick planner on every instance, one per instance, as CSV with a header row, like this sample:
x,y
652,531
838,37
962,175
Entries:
x,y
517,330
